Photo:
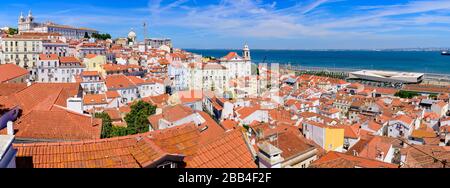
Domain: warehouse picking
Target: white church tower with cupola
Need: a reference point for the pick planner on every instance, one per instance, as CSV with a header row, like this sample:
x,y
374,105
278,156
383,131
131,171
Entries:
x,y
246,53
237,66
26,24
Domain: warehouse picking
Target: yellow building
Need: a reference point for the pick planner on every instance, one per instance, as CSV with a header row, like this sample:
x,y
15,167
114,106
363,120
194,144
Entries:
x,y
330,138
94,62
334,139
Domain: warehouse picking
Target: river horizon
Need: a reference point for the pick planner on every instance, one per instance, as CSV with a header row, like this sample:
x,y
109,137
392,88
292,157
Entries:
x,y
431,62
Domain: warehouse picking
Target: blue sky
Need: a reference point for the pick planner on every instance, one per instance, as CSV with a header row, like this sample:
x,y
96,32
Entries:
x,y
268,24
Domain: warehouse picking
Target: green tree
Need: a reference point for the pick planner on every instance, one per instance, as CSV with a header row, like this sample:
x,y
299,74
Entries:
x,y
137,121
86,35
106,124
13,31
406,94
101,36
433,96
119,131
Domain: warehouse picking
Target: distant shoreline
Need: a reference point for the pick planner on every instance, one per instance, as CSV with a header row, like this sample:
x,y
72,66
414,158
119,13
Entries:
x,y
429,62
434,79
439,49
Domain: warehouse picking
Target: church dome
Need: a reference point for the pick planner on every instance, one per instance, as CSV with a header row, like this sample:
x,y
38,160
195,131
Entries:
x,y
132,34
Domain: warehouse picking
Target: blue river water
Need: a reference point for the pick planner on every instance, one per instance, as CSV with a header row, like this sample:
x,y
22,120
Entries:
x,y
409,61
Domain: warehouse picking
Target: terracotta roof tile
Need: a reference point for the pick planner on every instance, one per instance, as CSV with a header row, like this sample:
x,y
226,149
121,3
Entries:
x,y
41,96
11,88
94,99
11,71
210,155
340,160
118,82
48,57
56,125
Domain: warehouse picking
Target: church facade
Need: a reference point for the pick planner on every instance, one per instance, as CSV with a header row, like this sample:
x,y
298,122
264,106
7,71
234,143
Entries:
x,y
28,24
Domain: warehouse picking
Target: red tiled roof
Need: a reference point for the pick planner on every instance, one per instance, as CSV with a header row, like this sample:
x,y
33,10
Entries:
x,y
160,100
350,131
94,99
441,104
182,139
210,130
11,71
41,96
90,56
405,119
227,151
58,125
11,88
386,91
124,152
112,94
143,150
244,112
177,112
118,82
230,56
340,160
423,134
190,96
48,57
291,145
114,114
69,59
90,73
416,158
229,124
372,146
114,67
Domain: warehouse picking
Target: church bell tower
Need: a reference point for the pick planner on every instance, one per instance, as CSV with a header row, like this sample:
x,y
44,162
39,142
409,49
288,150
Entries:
x,y
246,53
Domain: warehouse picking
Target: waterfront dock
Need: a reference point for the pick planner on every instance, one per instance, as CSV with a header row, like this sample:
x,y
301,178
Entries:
x,y
429,78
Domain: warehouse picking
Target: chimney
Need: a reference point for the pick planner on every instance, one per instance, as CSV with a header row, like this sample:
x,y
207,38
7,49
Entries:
x,y
10,128
269,156
75,104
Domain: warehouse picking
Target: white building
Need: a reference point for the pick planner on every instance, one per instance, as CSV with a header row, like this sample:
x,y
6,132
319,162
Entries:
x,y
179,74
59,48
177,115
131,88
29,25
208,77
92,82
54,69
85,48
20,50
237,66
401,126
